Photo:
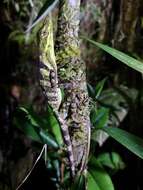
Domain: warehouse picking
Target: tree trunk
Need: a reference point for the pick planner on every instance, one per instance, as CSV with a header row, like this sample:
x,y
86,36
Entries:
x,y
72,75
95,24
125,36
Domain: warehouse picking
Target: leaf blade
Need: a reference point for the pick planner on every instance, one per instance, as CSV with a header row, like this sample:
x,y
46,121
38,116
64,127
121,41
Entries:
x,y
128,140
91,183
48,139
111,160
124,58
100,176
46,9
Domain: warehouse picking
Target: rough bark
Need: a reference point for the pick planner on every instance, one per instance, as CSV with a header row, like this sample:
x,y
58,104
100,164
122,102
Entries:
x,y
95,24
125,36
72,77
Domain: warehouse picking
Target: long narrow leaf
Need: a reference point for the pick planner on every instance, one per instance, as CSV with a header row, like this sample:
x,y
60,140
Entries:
x,y
124,58
99,175
91,183
99,87
79,183
130,141
46,9
23,122
48,139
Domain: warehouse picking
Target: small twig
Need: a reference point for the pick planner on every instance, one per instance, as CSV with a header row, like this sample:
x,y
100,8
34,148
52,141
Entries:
x,y
62,171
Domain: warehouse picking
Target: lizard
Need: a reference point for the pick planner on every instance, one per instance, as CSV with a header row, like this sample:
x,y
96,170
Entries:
x,y
49,82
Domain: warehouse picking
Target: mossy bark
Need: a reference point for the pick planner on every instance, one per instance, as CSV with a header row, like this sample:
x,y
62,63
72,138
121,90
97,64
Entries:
x,y
72,78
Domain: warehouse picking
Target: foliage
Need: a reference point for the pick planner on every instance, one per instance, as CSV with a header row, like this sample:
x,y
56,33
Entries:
x,y
130,141
133,143
124,58
99,176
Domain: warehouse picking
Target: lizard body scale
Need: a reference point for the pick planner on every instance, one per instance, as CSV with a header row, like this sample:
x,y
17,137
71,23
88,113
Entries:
x,y
49,82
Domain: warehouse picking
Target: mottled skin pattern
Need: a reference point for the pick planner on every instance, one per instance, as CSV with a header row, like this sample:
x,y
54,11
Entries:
x,y
49,82
67,71
47,65
71,73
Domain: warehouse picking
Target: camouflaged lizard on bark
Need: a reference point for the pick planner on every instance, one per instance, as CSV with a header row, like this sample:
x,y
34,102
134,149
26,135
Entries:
x,y
49,82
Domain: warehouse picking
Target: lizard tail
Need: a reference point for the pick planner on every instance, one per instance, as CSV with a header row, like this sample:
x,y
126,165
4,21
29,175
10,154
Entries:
x,y
68,143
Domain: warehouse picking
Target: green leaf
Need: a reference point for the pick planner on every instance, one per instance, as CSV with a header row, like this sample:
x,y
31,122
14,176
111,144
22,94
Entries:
x,y
79,183
48,139
47,122
29,117
112,160
54,125
100,118
124,58
100,176
130,141
56,165
99,88
91,183
95,92
22,122
112,99
30,127
91,90
17,36
41,121
45,10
